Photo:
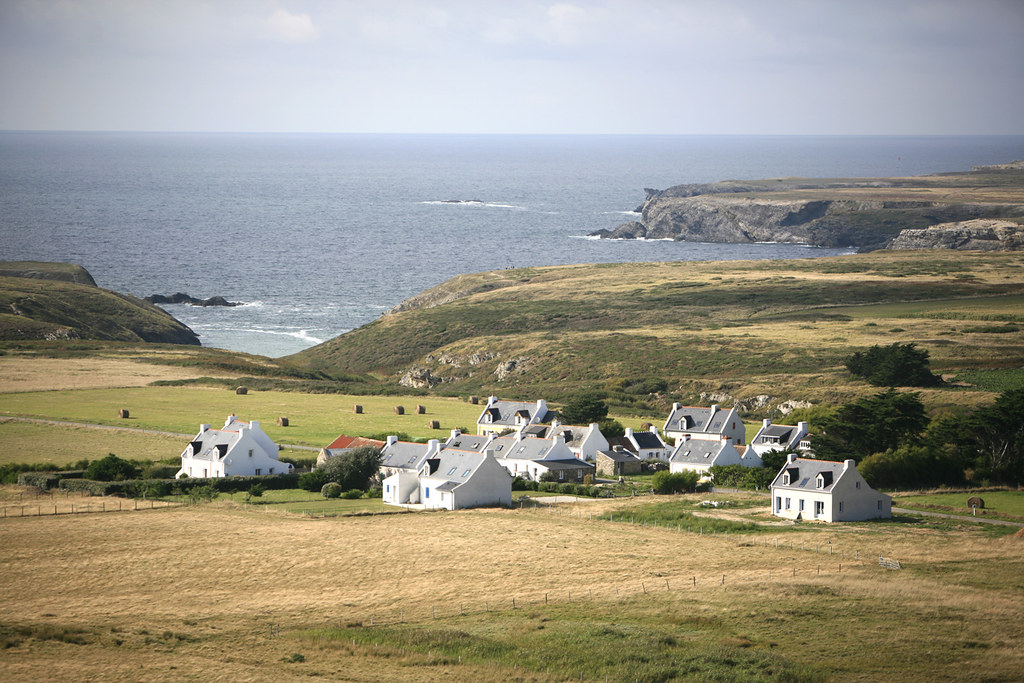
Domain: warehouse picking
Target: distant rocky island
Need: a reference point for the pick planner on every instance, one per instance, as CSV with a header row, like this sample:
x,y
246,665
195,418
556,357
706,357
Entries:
x,y
181,298
980,209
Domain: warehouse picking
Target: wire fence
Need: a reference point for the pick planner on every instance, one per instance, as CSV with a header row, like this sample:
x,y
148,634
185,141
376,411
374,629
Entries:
x,y
49,505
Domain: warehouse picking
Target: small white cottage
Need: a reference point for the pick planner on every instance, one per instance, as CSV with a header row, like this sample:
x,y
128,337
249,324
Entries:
x,y
238,449
712,423
808,489
451,479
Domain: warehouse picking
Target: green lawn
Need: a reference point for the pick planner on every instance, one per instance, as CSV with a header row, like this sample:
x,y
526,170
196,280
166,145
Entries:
x,y
300,501
57,445
997,503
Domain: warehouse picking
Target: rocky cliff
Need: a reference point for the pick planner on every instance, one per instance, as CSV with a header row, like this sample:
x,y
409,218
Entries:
x,y
867,213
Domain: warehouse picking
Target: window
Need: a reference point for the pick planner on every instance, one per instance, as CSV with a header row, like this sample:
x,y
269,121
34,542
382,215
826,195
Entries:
x,y
250,452
819,508
820,482
840,506
466,473
387,488
787,503
778,503
801,505
258,471
451,471
858,484
426,493
271,470
879,504
561,475
785,479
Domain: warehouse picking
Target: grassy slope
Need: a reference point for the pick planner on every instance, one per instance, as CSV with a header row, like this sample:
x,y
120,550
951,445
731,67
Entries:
x,y
780,328
32,308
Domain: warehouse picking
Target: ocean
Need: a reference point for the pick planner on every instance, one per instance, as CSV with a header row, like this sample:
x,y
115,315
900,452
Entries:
x,y
319,234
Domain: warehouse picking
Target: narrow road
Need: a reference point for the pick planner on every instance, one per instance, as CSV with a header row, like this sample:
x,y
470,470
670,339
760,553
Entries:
x,y
63,423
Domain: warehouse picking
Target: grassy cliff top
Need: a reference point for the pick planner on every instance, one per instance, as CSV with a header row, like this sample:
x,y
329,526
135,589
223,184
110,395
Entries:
x,y
45,270
744,328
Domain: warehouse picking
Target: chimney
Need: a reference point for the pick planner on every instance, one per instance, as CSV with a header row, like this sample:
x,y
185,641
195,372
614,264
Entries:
x,y
629,432
849,464
391,439
765,423
714,407
653,429
491,400
227,422
791,458
254,424
803,426
676,406
203,428
542,407
455,433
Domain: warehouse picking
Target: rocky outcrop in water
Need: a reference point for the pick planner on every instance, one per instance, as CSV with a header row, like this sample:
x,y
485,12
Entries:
x,y
181,298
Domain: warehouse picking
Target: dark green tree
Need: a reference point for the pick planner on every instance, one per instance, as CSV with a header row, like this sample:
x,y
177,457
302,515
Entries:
x,y
111,468
674,482
896,365
871,425
351,469
611,428
584,409
996,434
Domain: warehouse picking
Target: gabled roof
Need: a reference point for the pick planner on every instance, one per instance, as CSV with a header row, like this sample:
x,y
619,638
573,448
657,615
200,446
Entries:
x,y
782,433
803,474
404,455
454,465
344,442
468,442
573,464
688,418
648,440
619,456
213,444
698,452
528,448
504,413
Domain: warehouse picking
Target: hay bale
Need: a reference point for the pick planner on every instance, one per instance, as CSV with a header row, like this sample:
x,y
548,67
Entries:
x,y
241,391
421,410
282,422
399,410
475,400
357,409
435,424
123,413
646,427
976,502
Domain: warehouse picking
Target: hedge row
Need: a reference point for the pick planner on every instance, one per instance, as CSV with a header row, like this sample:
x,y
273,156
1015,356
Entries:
x,y
138,488
520,484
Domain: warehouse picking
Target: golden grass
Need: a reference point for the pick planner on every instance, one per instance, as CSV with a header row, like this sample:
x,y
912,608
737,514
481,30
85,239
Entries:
x,y
28,373
198,589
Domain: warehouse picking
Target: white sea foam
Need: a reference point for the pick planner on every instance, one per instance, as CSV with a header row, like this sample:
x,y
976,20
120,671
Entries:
x,y
473,202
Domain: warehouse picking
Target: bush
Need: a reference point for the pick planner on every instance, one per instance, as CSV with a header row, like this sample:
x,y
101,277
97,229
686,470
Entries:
x,y
42,480
352,494
547,487
111,468
896,365
674,482
94,488
331,489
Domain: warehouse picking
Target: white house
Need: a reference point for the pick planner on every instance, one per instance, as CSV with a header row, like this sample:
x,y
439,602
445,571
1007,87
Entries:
x,y
704,423
772,437
405,456
647,445
451,479
700,455
239,448
825,490
531,458
502,416
584,442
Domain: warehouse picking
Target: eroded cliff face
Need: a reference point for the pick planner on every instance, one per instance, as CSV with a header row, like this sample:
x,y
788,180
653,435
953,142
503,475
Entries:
x,y
979,234
866,214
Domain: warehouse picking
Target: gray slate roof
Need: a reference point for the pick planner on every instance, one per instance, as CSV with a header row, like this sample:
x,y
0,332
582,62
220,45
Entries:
x,y
503,413
404,455
528,448
697,452
804,473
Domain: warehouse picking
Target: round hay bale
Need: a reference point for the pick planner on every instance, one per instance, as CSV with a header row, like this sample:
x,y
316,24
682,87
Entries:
x,y
242,391
421,410
399,410
435,424
357,409
475,400
646,427
282,422
976,502
123,413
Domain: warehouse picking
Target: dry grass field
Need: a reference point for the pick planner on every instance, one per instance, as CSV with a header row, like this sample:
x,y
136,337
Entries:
x,y
228,592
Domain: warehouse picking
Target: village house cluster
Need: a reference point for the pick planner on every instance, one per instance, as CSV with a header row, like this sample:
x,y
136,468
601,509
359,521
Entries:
x,y
527,440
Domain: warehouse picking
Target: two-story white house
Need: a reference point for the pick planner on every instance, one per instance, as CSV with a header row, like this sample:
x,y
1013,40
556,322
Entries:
x,y
584,442
700,455
810,489
773,437
451,479
712,423
504,416
531,458
238,449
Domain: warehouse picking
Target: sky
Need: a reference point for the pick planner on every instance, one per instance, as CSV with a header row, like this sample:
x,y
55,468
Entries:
x,y
776,67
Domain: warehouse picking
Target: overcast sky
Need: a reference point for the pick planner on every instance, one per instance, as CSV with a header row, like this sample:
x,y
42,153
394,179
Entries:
x,y
514,66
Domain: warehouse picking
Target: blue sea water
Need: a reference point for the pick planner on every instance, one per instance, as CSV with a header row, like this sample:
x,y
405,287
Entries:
x,y
318,234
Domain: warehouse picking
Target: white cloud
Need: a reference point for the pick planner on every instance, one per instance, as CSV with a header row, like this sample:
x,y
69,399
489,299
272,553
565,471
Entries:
x,y
292,28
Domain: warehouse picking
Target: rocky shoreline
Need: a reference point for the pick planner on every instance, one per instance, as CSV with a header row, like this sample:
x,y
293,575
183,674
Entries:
x,y
181,298
935,212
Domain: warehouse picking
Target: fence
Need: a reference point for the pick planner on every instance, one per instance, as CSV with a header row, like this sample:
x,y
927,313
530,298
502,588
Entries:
x,y
44,506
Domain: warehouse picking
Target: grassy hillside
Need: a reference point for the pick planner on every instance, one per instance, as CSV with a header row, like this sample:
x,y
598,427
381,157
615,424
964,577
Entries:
x,y
780,329
56,301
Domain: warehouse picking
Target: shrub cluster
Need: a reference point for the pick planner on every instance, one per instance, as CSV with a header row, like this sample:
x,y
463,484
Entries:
x,y
565,488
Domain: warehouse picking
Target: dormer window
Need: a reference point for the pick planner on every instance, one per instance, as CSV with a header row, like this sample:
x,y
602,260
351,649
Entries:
x,y
820,482
785,479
